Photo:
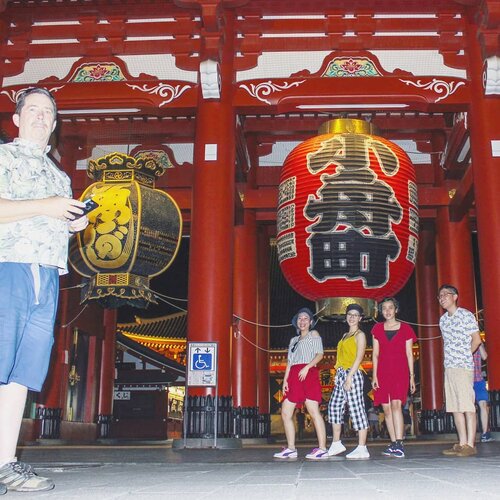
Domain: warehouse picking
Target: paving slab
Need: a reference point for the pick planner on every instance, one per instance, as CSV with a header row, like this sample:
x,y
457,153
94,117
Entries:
x,y
146,471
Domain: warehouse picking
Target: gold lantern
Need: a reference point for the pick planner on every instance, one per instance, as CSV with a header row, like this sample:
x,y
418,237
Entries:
x,y
133,235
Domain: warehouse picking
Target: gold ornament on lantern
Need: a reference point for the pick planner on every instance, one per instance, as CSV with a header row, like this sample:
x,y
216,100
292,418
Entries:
x,y
134,233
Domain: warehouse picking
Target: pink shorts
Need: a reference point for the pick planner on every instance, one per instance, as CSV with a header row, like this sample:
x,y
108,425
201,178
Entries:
x,y
299,391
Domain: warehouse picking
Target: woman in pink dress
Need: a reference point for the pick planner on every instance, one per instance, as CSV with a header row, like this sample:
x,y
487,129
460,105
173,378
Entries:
x,y
393,371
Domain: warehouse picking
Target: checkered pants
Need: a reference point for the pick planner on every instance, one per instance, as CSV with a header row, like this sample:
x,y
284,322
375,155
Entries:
x,y
354,399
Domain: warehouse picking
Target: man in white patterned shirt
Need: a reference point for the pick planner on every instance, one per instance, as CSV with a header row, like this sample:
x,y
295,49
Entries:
x,y
37,215
460,338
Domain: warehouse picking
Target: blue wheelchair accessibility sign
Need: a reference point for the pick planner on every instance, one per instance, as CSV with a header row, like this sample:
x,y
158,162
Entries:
x,y
202,364
202,361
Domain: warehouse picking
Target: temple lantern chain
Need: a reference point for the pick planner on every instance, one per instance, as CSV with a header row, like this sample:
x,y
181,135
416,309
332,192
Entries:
x,y
133,235
347,217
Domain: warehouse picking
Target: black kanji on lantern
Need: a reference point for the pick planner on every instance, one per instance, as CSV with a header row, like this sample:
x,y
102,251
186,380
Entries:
x,y
353,211
351,255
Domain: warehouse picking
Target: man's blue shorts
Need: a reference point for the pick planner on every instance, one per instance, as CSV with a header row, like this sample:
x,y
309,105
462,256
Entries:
x,y
480,391
26,327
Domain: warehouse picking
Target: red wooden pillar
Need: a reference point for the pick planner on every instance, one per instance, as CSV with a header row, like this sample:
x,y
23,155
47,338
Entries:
x,y
244,350
52,400
210,282
211,243
455,261
454,266
90,398
107,375
430,341
484,128
263,260
55,387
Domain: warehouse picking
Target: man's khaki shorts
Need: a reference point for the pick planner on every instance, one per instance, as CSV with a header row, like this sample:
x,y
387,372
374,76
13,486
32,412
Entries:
x,y
459,390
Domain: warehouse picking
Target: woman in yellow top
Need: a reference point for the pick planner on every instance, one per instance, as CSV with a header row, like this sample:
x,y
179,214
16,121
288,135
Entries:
x,y
349,387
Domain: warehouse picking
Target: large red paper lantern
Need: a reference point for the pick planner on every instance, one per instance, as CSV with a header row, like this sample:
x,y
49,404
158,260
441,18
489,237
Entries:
x,y
347,217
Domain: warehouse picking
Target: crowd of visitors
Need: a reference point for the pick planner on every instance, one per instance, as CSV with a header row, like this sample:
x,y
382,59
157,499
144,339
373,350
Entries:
x,y
389,415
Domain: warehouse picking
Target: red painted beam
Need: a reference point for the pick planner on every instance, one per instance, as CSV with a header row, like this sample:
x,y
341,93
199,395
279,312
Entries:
x,y
314,94
362,23
414,123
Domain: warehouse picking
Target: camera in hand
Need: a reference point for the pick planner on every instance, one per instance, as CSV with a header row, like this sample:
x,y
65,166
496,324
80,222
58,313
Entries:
x,y
90,205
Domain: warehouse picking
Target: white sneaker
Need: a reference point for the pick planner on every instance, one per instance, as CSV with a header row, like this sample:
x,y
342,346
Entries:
x,y
286,453
317,454
359,453
18,476
336,448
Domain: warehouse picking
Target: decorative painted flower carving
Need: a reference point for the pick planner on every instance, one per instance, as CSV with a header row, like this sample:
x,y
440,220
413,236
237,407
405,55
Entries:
x,y
263,89
351,66
13,95
98,71
163,90
437,86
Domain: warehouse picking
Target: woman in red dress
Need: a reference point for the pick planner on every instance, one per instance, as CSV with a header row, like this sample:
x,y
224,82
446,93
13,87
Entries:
x,y
393,371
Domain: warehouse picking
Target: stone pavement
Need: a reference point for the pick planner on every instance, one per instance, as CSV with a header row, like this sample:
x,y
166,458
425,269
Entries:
x,y
156,471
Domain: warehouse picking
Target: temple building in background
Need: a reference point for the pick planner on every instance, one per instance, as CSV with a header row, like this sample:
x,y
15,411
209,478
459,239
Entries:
x,y
215,95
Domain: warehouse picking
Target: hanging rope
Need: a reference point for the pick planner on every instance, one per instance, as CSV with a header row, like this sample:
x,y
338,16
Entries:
x,y
239,318
419,324
166,296
287,325
159,297
237,334
76,317
81,285
477,315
